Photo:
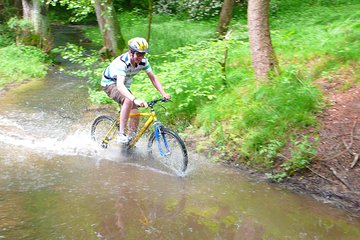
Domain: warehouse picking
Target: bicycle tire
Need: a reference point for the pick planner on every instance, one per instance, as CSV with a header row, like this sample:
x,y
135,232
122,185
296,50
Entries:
x,y
176,157
100,128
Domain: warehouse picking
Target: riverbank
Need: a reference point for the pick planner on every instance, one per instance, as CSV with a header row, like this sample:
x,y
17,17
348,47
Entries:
x,y
14,70
334,175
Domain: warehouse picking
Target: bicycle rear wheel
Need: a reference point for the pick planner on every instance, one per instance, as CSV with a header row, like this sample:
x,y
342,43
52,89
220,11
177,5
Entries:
x,y
103,130
169,149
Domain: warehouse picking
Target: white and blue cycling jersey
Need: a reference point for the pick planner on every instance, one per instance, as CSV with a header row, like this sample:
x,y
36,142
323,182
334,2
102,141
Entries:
x,y
121,66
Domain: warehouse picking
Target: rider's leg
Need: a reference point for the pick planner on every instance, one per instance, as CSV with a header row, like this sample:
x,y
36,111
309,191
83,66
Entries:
x,y
134,123
124,114
127,106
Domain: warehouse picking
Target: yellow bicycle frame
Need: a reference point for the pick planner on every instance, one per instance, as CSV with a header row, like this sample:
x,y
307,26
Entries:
x,y
151,119
113,129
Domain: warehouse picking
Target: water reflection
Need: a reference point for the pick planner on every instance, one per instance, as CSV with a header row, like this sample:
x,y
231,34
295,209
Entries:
x,y
77,197
143,214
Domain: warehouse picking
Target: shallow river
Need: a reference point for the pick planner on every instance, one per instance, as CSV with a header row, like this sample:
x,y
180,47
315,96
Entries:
x,y
56,184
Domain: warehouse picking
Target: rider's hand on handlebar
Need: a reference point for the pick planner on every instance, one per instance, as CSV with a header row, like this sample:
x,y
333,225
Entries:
x,y
140,103
166,96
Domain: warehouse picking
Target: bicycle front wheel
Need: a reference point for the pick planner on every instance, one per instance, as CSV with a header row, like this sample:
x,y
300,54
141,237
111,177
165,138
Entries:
x,y
103,130
169,149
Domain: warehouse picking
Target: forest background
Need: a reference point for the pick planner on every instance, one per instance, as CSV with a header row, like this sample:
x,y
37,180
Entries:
x,y
218,100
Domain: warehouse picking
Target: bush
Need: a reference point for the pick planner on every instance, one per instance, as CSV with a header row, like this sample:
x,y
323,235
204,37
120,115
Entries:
x,y
14,63
7,37
195,9
251,118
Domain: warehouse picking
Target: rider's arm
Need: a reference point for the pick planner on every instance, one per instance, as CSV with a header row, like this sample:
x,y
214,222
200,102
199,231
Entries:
x,y
155,81
120,84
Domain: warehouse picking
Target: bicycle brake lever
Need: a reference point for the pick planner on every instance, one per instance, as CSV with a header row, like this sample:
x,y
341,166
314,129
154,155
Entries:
x,y
166,100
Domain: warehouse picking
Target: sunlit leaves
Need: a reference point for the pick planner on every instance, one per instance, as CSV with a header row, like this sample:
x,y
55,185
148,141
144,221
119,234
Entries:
x,y
195,9
90,65
14,68
193,76
80,8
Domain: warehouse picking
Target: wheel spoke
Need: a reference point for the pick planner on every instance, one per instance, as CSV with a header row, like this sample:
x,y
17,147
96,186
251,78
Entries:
x,y
170,150
100,130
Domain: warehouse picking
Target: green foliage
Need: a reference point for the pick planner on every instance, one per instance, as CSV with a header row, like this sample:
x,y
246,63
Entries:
x,y
327,31
14,63
302,154
257,120
268,152
166,7
190,86
163,37
24,31
99,97
186,33
80,9
19,25
7,37
259,117
194,9
269,108
7,10
91,66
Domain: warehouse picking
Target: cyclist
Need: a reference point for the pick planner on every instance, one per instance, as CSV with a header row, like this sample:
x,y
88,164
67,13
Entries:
x,y
118,76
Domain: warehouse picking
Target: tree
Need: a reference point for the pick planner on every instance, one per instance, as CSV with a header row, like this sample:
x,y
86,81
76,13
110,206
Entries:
x,y
35,11
9,8
150,20
113,40
225,17
263,55
18,7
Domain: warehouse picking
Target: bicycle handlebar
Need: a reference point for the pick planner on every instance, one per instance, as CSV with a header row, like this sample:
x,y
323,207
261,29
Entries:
x,y
152,103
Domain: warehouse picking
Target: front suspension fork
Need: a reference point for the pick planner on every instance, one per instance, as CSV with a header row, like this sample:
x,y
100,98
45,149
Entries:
x,y
160,137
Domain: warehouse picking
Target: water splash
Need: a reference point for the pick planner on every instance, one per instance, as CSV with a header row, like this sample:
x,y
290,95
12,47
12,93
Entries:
x,y
79,143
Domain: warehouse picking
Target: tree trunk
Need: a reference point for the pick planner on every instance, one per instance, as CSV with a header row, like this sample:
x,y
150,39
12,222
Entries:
x,y
225,17
263,56
2,11
18,7
113,41
150,21
35,12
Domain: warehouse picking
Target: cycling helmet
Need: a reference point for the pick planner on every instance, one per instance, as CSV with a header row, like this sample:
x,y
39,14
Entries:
x,y
138,44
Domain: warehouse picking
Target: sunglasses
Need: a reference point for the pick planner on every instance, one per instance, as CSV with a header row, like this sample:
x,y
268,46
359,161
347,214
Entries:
x,y
140,54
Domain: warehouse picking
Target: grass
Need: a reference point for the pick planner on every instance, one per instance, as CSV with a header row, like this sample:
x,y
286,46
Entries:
x,y
166,32
328,31
15,67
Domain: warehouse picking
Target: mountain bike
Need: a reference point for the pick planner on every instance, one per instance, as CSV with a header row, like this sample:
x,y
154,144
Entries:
x,y
163,144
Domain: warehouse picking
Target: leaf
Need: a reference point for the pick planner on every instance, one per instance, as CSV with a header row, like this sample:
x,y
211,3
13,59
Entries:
x,y
178,90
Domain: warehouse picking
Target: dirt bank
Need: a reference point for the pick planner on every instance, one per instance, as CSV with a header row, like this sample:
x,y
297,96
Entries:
x,y
335,173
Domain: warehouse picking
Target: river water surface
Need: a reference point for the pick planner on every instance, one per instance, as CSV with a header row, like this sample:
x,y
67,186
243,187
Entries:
x,y
56,184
